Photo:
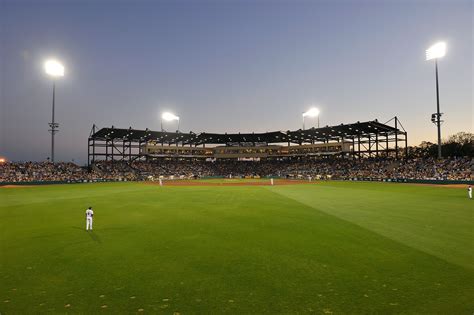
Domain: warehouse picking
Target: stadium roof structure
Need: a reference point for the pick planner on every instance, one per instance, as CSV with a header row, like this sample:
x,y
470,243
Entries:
x,y
363,135
323,134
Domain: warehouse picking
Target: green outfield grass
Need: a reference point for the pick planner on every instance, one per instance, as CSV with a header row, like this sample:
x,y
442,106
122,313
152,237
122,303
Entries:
x,y
327,248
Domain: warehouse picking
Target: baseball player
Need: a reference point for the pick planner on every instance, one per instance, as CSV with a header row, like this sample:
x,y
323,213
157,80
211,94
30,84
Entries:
x,y
89,216
469,191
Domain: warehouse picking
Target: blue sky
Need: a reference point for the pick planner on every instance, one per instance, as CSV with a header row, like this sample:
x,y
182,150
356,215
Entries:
x,y
228,66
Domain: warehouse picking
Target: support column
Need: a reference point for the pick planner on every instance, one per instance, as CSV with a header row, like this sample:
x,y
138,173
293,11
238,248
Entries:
x,y
342,145
370,146
113,148
353,147
93,150
123,150
377,144
358,145
88,152
406,145
106,150
396,137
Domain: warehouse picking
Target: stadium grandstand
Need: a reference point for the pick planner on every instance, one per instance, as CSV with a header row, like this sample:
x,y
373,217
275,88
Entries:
x,y
357,140
358,151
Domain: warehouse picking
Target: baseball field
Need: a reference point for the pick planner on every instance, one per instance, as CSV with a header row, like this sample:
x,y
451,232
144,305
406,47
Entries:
x,y
323,247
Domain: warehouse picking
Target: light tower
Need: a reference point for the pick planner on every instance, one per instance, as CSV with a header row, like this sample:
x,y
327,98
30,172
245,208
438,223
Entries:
x,y
435,52
56,70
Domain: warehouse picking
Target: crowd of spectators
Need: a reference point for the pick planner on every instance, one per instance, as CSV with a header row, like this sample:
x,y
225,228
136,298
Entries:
x,y
336,168
39,171
113,171
11,172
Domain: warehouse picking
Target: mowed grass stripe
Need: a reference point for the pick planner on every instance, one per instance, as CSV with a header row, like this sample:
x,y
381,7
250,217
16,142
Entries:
x,y
436,220
210,250
44,193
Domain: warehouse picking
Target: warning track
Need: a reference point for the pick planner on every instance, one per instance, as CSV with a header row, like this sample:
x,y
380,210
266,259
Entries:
x,y
17,186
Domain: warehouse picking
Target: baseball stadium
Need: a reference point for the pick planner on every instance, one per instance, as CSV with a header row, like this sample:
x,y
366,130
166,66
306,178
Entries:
x,y
337,219
249,212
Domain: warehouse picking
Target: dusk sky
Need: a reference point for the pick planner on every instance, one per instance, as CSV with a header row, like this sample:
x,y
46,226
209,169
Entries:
x,y
228,66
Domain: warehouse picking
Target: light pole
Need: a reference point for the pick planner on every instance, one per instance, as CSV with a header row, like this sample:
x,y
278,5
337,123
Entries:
x,y
436,51
168,117
312,112
54,69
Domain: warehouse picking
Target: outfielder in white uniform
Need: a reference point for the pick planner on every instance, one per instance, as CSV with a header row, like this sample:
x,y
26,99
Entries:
x,y
89,217
469,191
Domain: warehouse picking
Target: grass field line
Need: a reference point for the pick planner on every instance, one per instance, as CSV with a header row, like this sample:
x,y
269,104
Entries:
x,y
403,188
404,235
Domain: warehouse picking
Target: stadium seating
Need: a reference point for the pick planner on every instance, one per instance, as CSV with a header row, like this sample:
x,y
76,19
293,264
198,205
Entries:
x,y
377,169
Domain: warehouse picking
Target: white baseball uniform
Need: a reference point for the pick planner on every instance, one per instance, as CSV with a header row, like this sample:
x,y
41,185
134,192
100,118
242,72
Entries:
x,y
89,217
469,192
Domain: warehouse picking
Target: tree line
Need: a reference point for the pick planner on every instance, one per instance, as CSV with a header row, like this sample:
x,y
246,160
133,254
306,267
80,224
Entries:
x,y
460,144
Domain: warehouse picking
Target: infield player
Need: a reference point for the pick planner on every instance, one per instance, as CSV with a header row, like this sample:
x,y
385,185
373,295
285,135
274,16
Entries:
x,y
469,191
89,217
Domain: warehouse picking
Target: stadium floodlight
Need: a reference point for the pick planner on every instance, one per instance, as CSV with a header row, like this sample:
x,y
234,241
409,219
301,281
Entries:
x,y
435,52
55,69
312,112
167,116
